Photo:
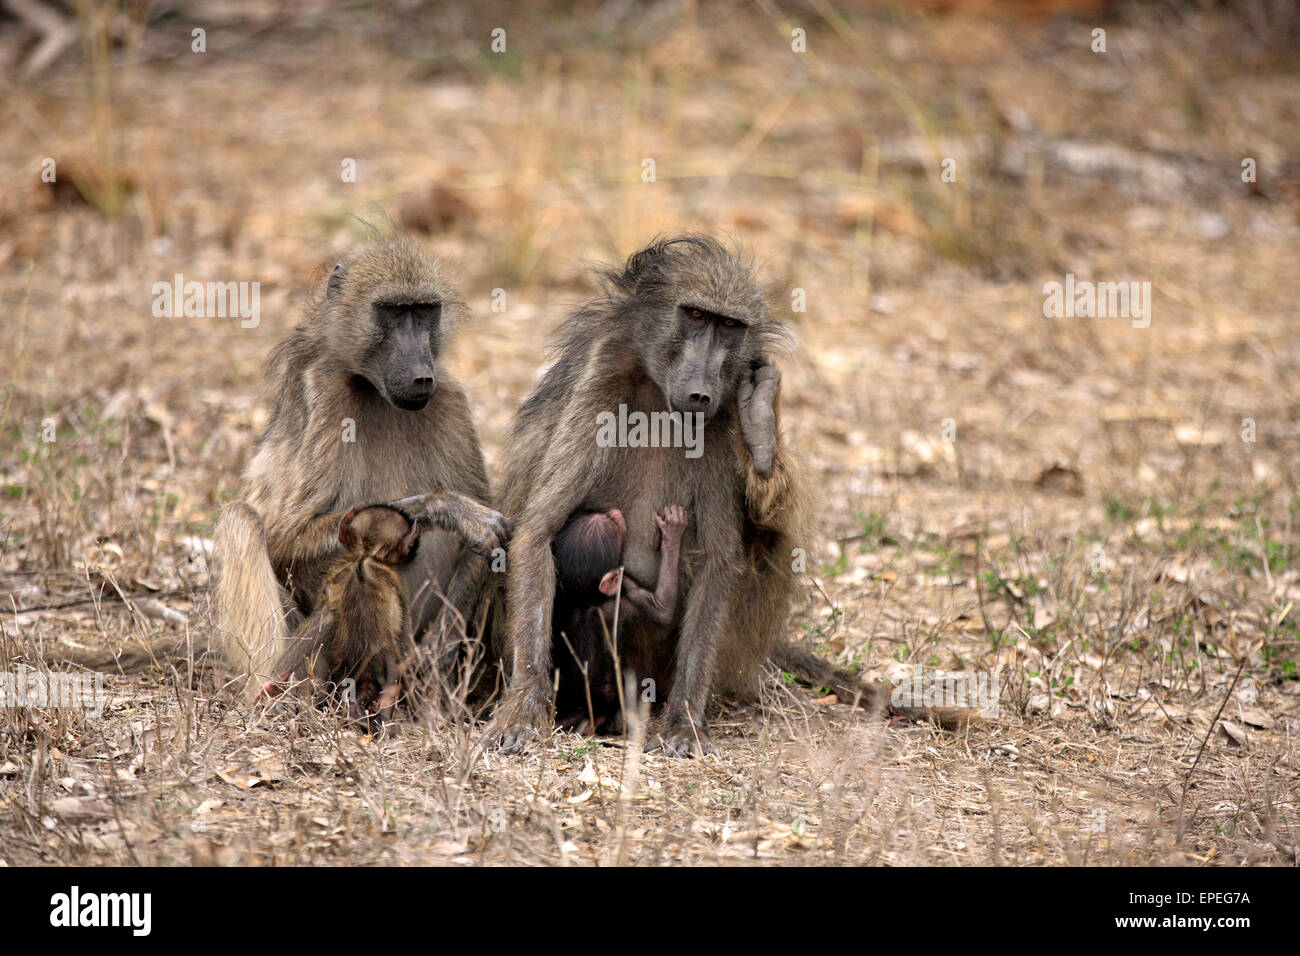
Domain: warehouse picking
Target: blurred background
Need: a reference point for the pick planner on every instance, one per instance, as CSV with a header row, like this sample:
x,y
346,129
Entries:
x,y
1048,496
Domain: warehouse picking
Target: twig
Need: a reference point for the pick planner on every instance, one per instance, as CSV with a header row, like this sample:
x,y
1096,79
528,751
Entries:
x,y
116,594
1188,779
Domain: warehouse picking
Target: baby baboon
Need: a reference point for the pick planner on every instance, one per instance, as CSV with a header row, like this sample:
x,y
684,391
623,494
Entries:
x,y
363,412
588,554
360,629
680,336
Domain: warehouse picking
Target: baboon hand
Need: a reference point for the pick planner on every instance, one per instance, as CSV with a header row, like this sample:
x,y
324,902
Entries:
x,y
672,523
482,528
756,398
679,737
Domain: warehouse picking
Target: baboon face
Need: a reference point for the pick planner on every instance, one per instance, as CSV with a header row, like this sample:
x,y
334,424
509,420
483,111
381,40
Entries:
x,y
712,324
704,376
388,306
403,358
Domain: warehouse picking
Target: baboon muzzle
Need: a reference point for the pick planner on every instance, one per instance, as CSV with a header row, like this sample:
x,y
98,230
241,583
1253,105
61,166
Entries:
x,y
417,391
410,380
696,394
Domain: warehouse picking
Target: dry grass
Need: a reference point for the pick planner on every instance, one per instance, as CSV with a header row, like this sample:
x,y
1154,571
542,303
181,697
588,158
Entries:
x,y
1098,534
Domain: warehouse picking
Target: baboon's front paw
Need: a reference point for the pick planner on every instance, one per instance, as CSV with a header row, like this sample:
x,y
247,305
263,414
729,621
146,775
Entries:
x,y
679,738
493,531
757,401
271,688
482,528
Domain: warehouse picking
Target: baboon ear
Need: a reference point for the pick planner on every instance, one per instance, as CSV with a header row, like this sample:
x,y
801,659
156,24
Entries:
x,y
335,281
347,534
410,543
609,583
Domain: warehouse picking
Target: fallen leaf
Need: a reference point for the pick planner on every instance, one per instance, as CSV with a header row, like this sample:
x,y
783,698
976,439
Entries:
x,y
244,781
80,809
1256,718
1234,732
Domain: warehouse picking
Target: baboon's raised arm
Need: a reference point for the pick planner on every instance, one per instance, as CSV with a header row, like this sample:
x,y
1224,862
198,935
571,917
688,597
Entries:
x,y
481,527
660,605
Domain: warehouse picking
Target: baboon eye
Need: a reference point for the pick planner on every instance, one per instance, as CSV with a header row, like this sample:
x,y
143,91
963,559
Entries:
x,y
425,313
730,323
696,314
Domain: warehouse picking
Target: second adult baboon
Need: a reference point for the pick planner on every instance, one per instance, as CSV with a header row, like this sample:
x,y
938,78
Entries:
x,y
359,630
363,411
680,336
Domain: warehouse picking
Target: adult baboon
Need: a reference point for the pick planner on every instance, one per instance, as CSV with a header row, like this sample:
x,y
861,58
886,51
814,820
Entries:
x,y
684,329
363,412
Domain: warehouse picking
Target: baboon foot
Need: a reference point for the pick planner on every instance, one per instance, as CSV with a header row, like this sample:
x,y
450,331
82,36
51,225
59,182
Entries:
x,y
679,737
517,720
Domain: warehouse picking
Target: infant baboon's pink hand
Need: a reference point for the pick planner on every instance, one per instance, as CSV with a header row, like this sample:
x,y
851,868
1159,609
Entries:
x,y
672,523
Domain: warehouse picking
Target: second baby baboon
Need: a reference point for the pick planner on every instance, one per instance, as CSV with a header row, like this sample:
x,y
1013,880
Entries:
x,y
360,628
590,610
363,412
679,337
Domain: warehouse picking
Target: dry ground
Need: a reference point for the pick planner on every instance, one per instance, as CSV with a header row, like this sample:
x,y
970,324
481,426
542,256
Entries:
x,y
1099,534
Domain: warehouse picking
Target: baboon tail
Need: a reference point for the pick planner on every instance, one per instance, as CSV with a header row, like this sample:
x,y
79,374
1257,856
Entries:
x,y
251,629
808,667
875,696
137,658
